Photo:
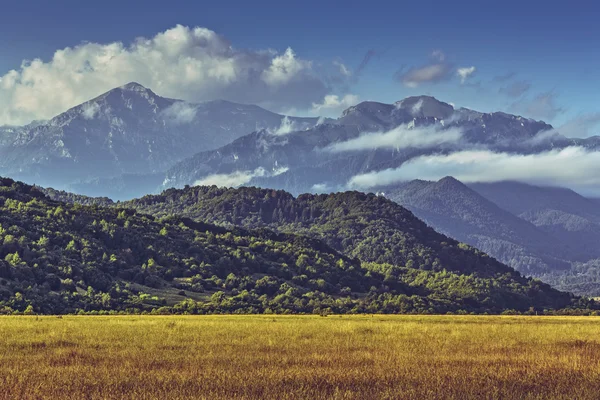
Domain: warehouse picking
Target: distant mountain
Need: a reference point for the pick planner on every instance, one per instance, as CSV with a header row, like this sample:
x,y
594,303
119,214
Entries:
x,y
551,233
456,210
310,160
128,130
562,213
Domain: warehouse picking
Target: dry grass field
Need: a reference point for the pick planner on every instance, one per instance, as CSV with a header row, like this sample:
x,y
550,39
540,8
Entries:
x,y
290,357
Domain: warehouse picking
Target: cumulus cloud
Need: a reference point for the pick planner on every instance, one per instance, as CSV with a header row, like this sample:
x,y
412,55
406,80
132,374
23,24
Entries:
x,y
284,68
569,167
543,106
180,113
193,64
515,89
465,72
333,104
402,137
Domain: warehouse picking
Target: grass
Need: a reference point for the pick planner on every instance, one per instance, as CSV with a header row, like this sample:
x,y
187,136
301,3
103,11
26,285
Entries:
x,y
289,357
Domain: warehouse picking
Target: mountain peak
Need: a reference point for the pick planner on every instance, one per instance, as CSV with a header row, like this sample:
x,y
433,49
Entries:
x,y
425,106
134,87
450,179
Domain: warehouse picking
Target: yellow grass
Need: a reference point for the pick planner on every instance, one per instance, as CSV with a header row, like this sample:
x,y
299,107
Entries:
x,y
285,357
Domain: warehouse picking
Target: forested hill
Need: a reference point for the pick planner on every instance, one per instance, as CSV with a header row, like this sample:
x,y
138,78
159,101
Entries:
x,y
63,258
365,226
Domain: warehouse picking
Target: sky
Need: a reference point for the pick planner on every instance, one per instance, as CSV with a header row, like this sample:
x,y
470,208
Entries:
x,y
531,58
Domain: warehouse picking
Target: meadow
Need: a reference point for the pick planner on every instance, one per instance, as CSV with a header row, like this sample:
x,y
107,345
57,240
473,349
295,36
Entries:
x,y
299,357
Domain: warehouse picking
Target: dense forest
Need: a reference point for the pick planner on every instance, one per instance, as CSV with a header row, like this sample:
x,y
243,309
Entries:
x,y
408,261
364,226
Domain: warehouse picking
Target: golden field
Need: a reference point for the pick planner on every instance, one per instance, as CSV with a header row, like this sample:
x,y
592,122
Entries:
x,y
305,357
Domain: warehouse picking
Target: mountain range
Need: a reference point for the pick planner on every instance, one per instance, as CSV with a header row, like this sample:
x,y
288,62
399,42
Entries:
x,y
367,137
549,232
126,136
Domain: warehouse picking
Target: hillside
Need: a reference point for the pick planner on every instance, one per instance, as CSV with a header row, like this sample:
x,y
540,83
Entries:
x,y
460,212
365,226
58,258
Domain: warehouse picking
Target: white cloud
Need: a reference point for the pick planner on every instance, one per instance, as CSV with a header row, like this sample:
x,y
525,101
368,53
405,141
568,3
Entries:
x,y
321,120
233,179
320,188
571,167
287,126
90,110
404,136
465,73
193,64
333,104
284,68
180,113
416,76
343,69
238,178
416,108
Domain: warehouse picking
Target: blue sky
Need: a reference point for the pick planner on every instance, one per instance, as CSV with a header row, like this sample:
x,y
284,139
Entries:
x,y
532,58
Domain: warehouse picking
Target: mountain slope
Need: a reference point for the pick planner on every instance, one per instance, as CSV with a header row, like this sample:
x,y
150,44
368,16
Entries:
x,y
368,227
59,257
562,213
313,158
128,130
456,210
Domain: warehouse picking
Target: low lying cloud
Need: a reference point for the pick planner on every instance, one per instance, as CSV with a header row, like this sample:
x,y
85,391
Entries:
x,y
404,136
233,179
189,63
238,178
180,113
287,126
333,105
571,167
90,110
465,73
